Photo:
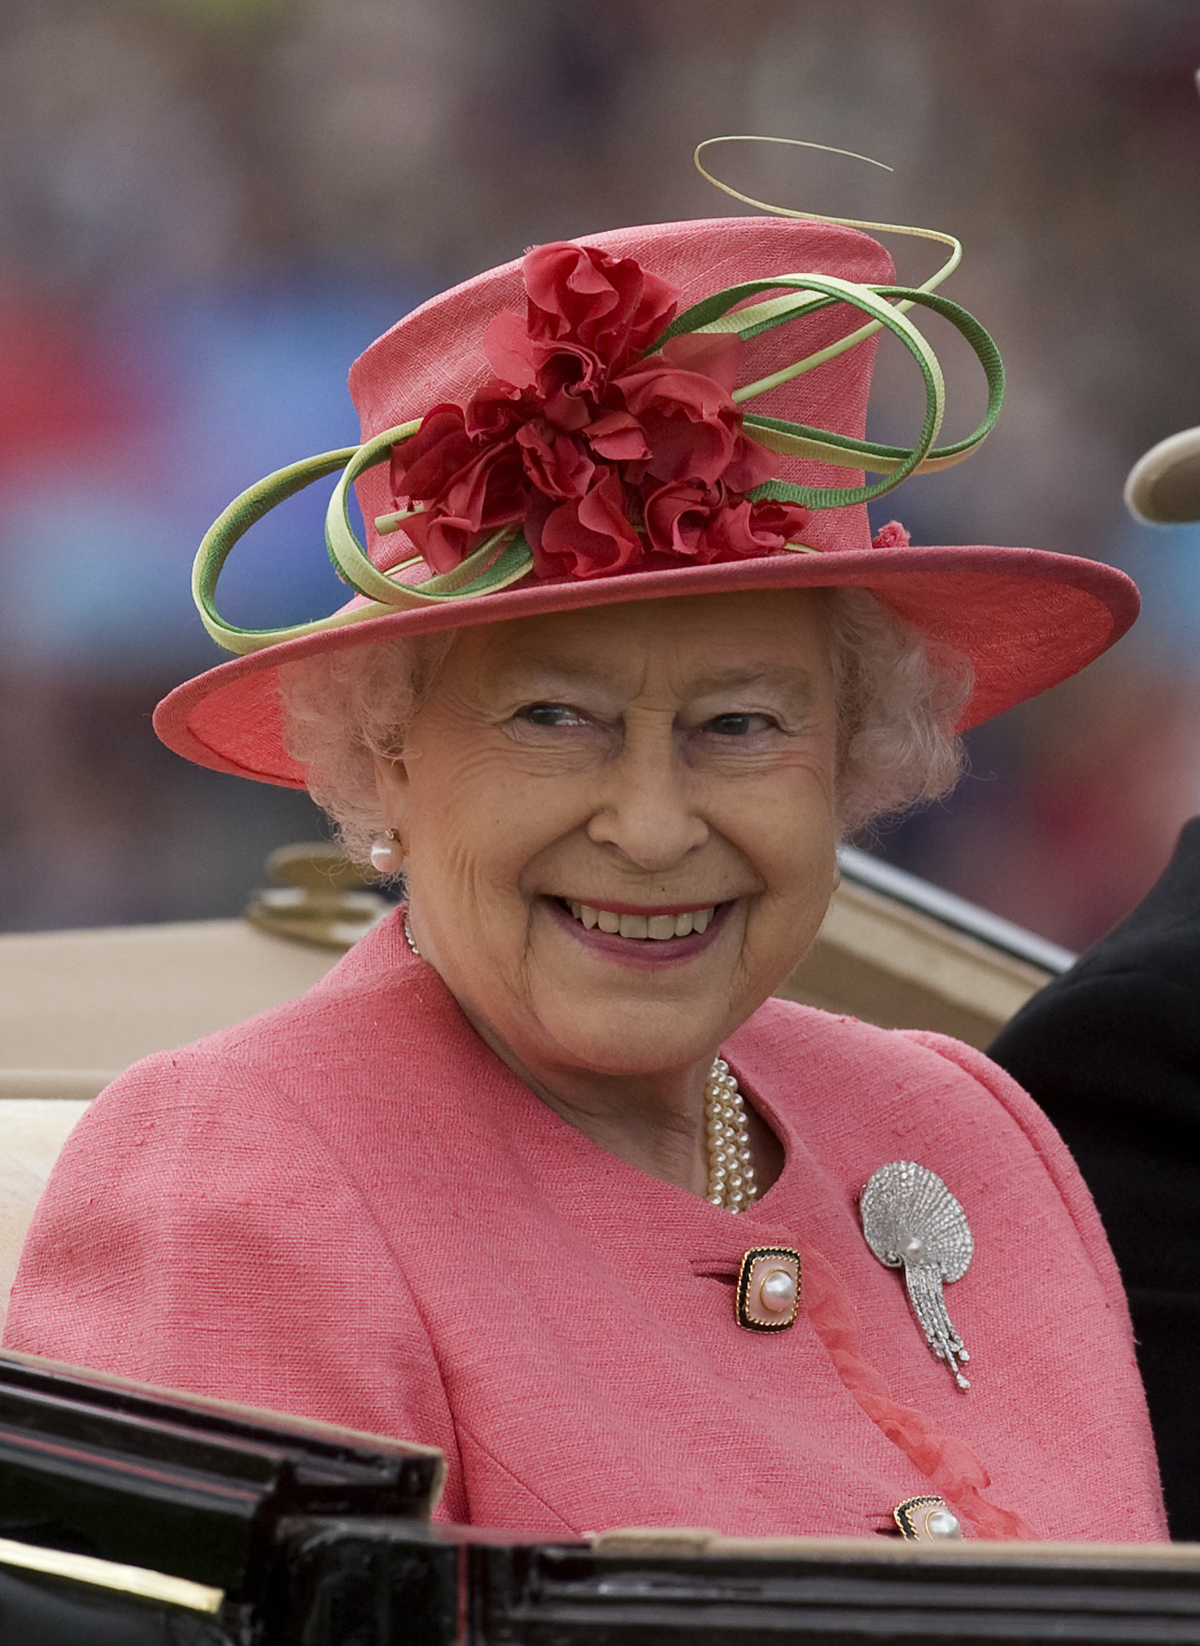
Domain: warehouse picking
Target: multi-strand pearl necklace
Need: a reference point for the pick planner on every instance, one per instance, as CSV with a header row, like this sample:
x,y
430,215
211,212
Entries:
x,y
730,1171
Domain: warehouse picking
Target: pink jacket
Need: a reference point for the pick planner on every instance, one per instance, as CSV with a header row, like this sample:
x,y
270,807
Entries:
x,y
349,1208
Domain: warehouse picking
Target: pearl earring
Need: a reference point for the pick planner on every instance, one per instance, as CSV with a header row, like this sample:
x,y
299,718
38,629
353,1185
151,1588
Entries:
x,y
385,856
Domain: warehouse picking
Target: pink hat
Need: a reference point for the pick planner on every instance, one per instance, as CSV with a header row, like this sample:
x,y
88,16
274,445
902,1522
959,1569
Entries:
x,y
656,411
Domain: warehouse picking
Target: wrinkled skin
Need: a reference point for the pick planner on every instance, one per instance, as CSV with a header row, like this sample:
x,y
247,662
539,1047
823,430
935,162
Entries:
x,y
656,756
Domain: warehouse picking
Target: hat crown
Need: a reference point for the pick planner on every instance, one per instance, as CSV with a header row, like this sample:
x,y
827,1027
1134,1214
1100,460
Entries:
x,y
435,354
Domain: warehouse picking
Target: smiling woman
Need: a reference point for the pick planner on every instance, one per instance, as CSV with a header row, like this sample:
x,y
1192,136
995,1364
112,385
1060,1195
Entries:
x,y
669,779
644,760
623,666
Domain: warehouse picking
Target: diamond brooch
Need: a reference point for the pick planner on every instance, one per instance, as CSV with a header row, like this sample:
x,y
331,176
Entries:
x,y
912,1221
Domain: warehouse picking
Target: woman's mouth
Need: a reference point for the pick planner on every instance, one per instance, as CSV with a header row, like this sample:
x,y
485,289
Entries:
x,y
642,938
654,928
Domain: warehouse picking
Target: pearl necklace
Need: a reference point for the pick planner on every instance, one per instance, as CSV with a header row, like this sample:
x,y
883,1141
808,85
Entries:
x,y
730,1172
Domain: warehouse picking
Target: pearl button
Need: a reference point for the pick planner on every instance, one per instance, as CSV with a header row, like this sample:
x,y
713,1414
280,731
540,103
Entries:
x,y
778,1291
913,1249
940,1523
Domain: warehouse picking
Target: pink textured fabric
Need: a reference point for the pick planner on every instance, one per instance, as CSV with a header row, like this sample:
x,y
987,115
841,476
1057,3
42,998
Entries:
x,y
350,1209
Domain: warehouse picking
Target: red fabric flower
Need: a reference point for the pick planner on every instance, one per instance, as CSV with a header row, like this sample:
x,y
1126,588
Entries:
x,y
891,536
689,422
710,525
762,527
608,305
587,440
556,462
587,537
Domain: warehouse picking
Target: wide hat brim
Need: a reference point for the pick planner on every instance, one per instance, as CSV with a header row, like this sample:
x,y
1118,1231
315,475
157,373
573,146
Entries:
x,y
1026,620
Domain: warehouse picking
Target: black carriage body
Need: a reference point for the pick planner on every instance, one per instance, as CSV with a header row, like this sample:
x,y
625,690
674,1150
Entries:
x,y
307,1536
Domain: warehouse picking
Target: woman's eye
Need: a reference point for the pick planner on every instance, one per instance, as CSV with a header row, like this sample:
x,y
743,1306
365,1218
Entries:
x,y
550,714
740,725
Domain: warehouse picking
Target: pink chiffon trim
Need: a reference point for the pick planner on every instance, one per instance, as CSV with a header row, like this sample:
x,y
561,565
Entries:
x,y
947,1463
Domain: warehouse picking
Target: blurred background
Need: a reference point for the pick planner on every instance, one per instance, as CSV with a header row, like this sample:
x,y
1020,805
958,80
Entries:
x,y
209,207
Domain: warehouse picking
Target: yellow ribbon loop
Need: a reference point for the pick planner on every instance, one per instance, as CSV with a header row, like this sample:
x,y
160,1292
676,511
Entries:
x,y
934,280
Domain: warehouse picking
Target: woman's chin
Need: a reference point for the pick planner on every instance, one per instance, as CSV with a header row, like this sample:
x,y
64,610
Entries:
x,y
581,998
609,1006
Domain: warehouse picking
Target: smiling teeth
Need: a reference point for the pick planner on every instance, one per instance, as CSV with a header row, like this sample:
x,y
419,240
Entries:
x,y
658,927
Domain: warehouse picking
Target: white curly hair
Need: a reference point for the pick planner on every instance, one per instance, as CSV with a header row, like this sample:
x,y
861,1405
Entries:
x,y
898,697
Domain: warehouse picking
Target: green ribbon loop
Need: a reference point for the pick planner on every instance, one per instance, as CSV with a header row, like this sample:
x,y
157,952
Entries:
x,y
818,291
228,528
349,559
504,557
894,462
718,314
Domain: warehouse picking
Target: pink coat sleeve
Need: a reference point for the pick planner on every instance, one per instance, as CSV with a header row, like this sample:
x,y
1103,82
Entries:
x,y
169,1247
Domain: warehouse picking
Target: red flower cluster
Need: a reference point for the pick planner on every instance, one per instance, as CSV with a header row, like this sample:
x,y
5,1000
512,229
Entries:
x,y
597,451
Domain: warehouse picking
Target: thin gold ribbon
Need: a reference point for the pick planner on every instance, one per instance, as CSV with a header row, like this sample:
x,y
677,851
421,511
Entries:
x,y
943,239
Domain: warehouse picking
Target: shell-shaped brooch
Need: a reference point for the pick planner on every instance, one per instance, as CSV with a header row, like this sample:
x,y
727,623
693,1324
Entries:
x,y
912,1221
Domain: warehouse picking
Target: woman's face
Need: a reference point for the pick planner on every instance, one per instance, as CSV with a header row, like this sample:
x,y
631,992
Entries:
x,y
581,785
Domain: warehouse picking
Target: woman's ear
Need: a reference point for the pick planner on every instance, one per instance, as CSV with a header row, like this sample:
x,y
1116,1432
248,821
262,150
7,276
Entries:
x,y
391,784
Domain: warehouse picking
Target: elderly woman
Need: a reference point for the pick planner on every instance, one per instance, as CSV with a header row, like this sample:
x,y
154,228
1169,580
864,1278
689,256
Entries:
x,y
540,1173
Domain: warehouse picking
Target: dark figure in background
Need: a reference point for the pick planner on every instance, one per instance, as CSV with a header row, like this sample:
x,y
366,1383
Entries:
x,y
1111,1051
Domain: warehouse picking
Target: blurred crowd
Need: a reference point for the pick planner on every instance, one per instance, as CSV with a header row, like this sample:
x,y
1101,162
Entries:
x,y
209,207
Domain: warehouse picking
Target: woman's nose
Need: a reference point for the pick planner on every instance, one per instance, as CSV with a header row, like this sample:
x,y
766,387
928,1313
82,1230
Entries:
x,y
648,810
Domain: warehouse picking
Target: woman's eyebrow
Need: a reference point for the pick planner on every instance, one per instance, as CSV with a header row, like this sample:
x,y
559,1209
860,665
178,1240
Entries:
x,y
541,676
787,678
794,688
